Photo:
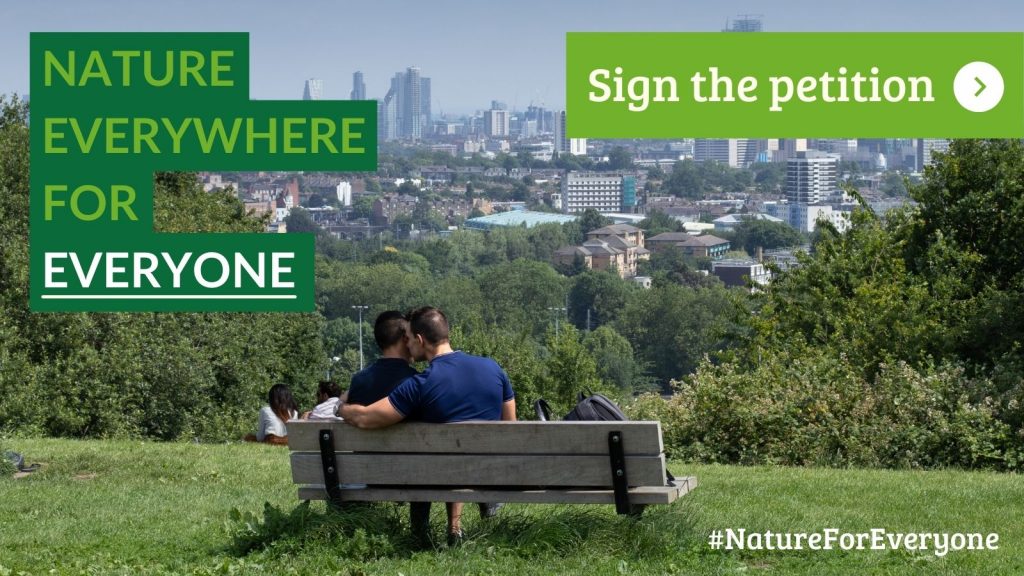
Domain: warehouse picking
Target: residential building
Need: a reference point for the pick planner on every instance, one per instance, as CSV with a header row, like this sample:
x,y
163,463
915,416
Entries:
x,y
703,246
741,273
811,177
629,233
496,123
604,192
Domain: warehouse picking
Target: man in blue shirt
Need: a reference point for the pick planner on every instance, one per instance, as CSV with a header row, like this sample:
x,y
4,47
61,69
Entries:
x,y
391,368
455,387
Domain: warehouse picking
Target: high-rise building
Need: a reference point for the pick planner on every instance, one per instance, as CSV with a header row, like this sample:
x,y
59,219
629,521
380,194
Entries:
x,y
564,144
425,104
314,89
496,122
722,150
406,107
358,87
602,192
925,147
811,177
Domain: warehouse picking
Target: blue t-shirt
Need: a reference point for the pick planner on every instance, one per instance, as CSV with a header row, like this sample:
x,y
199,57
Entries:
x,y
455,388
378,380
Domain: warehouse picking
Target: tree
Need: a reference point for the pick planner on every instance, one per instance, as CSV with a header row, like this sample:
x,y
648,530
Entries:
x,y
363,207
592,220
685,180
315,201
614,357
299,221
408,188
753,233
597,297
620,159
658,222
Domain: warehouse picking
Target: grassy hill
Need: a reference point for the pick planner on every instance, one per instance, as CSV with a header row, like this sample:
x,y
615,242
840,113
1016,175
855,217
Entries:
x,y
130,507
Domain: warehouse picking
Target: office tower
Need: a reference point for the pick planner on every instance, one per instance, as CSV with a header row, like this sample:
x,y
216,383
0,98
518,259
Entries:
x,y
425,104
925,147
314,89
358,87
496,121
811,177
722,150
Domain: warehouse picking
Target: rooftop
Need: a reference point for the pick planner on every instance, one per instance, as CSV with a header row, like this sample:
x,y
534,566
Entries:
x,y
526,218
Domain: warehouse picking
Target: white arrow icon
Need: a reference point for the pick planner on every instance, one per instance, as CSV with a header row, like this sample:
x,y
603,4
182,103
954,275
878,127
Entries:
x,y
978,86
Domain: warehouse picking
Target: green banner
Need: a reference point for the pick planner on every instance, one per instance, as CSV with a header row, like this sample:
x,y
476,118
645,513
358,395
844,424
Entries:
x,y
786,85
109,110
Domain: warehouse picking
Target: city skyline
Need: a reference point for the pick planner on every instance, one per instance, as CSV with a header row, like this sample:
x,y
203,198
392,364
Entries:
x,y
518,58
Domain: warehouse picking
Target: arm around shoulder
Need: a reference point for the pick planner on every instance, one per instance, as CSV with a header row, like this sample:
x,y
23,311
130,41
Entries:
x,y
380,414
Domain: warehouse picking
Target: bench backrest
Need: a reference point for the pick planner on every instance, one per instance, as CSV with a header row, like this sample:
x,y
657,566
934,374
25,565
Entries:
x,y
474,454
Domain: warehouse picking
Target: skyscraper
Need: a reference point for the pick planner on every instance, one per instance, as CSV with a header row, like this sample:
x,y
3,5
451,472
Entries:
x,y
811,177
496,122
314,89
358,87
425,104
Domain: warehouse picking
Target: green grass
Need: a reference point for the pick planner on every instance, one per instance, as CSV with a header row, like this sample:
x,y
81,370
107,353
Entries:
x,y
120,507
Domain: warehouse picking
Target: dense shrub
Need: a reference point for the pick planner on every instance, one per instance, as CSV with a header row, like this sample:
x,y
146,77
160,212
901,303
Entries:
x,y
811,409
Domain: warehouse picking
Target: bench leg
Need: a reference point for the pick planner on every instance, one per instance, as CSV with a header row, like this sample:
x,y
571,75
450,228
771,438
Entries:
x,y
636,510
419,522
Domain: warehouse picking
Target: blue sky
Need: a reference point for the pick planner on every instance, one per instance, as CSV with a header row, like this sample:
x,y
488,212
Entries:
x,y
475,51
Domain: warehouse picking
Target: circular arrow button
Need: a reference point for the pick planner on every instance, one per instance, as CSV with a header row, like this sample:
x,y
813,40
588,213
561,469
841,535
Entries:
x,y
978,86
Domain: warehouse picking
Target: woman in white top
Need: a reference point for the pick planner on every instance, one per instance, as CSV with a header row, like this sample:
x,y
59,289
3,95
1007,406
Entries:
x,y
271,426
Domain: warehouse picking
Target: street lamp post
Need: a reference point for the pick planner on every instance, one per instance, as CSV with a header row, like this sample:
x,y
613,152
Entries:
x,y
360,309
557,310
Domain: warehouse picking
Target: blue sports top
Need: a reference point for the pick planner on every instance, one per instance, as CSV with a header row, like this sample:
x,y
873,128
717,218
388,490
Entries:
x,y
378,380
455,387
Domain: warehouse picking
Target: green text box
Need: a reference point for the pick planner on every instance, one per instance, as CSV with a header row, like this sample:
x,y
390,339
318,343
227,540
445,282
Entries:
x,y
933,56
109,110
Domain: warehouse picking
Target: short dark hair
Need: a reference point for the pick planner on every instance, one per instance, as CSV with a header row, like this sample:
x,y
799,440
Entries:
x,y
331,389
430,323
389,329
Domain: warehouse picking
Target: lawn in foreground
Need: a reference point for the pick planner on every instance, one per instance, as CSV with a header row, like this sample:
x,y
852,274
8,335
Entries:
x,y
111,507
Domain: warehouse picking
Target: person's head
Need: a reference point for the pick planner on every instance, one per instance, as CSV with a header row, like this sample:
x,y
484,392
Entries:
x,y
389,332
327,389
281,402
428,329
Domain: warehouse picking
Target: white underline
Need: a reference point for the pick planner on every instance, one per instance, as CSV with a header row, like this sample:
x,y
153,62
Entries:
x,y
169,297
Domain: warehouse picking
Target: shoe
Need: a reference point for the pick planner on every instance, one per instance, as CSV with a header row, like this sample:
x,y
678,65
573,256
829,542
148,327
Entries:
x,y
454,539
490,510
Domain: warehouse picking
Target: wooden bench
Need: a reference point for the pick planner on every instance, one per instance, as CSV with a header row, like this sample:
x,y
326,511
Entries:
x,y
619,463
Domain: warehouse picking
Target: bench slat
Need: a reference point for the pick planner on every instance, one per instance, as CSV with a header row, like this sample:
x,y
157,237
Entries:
x,y
473,470
641,495
640,438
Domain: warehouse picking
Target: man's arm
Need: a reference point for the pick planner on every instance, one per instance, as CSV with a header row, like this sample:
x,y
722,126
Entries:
x,y
380,414
508,410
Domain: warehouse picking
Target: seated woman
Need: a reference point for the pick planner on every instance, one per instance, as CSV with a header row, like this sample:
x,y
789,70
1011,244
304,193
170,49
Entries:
x,y
271,427
328,396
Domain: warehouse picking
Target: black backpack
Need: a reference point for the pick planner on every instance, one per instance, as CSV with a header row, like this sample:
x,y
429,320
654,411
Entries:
x,y
588,407
591,407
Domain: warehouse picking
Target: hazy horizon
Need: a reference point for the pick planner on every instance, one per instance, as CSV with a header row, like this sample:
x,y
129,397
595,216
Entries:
x,y
473,52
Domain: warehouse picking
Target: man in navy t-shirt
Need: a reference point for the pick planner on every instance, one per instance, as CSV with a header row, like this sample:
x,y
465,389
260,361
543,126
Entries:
x,y
455,388
391,368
